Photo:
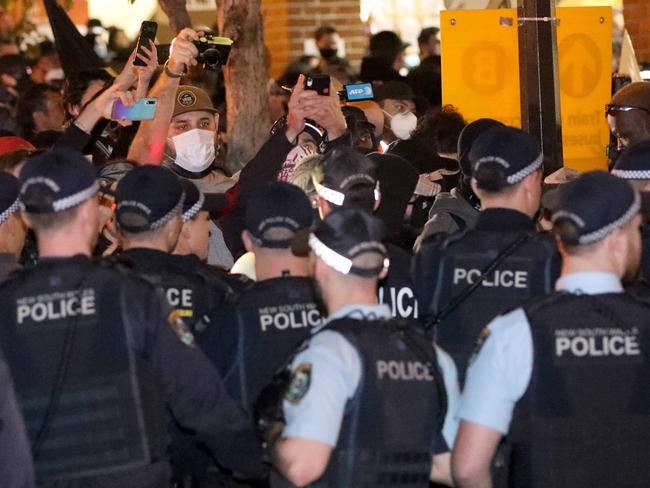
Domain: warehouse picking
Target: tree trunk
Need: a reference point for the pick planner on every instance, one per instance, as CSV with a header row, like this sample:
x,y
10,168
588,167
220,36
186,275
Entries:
x,y
177,13
246,79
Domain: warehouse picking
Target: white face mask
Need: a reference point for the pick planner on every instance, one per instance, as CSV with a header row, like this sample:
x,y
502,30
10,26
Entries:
x,y
195,150
403,125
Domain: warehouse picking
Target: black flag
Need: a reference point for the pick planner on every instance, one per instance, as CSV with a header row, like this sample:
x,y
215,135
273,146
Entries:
x,y
74,51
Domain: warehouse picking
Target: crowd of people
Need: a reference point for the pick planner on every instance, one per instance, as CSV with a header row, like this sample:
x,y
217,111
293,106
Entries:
x,y
384,295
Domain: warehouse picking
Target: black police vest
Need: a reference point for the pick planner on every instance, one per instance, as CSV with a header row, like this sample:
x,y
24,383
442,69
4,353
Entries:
x,y
584,420
191,288
89,405
396,290
390,424
528,272
272,318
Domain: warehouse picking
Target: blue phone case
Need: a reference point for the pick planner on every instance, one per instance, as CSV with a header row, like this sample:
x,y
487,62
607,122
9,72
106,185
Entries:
x,y
143,109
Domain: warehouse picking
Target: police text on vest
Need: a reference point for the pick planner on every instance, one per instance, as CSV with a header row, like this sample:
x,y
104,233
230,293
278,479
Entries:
x,y
597,342
55,306
404,371
498,279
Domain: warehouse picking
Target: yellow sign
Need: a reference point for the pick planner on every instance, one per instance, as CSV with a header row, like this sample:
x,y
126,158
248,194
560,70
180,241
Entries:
x,y
584,39
480,70
480,63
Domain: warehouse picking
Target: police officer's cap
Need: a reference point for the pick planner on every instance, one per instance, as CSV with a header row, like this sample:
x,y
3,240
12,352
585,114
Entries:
x,y
55,181
276,213
468,137
347,172
147,198
593,206
350,241
504,156
634,163
196,201
9,192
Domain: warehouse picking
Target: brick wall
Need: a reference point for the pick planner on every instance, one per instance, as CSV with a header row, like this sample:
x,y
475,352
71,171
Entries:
x,y
637,22
287,23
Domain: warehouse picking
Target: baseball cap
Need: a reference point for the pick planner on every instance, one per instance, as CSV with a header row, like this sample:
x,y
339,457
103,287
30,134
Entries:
x,y
276,213
633,96
592,206
195,201
55,181
9,192
466,140
504,156
345,171
398,90
13,143
350,241
147,198
634,162
192,99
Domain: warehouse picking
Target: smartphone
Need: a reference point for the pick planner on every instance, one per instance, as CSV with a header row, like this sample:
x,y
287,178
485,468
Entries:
x,y
359,92
143,109
147,33
318,83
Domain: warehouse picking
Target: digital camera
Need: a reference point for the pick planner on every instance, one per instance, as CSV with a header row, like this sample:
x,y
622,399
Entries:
x,y
213,51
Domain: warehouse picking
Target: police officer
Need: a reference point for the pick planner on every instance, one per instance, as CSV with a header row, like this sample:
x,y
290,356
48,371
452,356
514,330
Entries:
x,y
565,375
16,468
633,165
459,209
364,406
264,324
96,354
350,181
150,217
12,229
465,280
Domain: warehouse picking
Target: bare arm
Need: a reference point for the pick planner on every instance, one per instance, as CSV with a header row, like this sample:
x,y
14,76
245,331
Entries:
x,y
472,456
441,469
149,142
301,461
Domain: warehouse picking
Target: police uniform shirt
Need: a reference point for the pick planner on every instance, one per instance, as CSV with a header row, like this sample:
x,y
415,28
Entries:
x,y
501,372
335,375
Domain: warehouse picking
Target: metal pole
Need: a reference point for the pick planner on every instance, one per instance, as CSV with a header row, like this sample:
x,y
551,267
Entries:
x,y
538,71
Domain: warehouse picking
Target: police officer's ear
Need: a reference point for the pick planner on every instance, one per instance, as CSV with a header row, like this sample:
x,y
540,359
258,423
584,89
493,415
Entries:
x,y
246,239
324,207
377,204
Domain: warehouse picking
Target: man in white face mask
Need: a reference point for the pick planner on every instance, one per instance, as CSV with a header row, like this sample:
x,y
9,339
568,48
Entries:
x,y
401,110
191,139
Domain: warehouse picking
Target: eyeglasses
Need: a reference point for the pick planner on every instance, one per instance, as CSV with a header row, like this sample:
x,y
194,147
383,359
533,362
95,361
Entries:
x,y
612,109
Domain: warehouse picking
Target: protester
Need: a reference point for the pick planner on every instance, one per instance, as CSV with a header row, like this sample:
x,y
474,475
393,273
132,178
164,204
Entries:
x,y
426,79
385,58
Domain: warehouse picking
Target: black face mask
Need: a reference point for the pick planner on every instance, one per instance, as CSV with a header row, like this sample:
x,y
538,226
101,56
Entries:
x,y
328,53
